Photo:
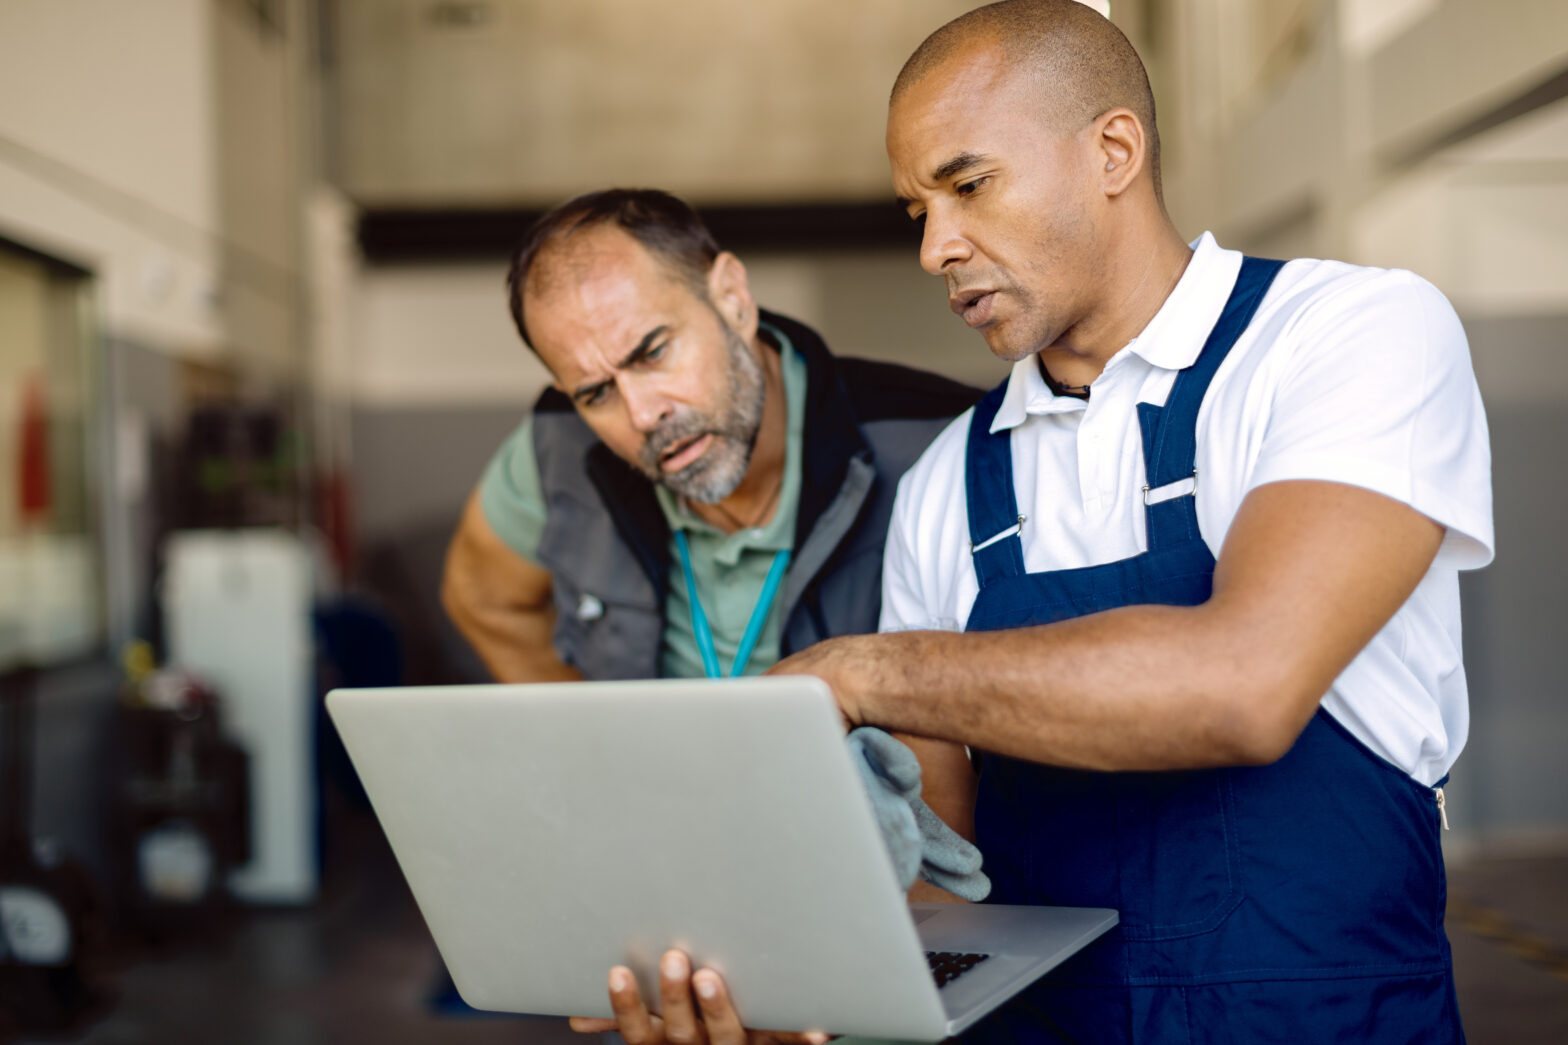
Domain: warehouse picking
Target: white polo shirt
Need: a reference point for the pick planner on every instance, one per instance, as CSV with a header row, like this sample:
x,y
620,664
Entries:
x,y
1348,374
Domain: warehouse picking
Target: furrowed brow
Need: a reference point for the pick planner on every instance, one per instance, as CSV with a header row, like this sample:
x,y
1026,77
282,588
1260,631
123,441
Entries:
x,y
643,347
957,165
952,168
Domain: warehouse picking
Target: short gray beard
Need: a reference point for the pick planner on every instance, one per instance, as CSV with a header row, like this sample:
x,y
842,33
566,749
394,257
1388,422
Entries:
x,y
719,471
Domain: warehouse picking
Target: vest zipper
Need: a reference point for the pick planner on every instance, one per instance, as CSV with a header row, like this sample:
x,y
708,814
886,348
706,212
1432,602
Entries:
x,y
1442,806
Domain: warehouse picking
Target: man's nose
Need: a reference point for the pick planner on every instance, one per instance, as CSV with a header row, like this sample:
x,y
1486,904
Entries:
x,y
942,243
646,406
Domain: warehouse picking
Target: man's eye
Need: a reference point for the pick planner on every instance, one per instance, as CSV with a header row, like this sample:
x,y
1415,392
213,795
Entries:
x,y
655,352
967,188
596,397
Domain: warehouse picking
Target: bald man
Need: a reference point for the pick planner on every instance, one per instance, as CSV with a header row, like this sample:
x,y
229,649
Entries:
x,y
1185,583
1188,578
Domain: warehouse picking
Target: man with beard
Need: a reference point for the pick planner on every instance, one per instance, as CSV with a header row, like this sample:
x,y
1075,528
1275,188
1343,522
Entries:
x,y
704,489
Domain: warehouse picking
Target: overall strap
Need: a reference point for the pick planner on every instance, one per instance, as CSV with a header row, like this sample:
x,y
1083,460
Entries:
x,y
1170,433
994,522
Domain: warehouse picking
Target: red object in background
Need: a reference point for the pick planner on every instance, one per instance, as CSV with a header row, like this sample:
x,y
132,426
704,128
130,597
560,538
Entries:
x,y
33,475
335,516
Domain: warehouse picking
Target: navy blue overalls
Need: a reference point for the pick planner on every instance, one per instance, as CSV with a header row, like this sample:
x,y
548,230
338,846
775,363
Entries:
x,y
1296,902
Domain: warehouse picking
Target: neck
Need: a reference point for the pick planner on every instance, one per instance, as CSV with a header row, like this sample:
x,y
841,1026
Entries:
x,y
756,499
1138,282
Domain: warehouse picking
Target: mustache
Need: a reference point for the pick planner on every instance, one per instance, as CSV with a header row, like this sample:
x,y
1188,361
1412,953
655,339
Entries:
x,y
676,430
958,282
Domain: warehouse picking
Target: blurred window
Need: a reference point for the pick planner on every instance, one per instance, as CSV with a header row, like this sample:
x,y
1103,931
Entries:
x,y
50,596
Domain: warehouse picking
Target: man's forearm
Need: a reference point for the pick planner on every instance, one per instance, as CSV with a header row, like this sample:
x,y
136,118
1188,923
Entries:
x,y
1143,687
1310,571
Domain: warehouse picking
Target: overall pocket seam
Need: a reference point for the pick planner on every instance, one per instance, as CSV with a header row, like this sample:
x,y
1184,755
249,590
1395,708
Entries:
x,y
1228,902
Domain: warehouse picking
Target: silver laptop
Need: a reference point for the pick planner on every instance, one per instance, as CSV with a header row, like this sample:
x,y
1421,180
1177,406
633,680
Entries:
x,y
550,832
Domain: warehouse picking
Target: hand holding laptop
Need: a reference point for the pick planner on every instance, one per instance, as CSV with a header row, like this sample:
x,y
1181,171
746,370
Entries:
x,y
695,1004
696,1009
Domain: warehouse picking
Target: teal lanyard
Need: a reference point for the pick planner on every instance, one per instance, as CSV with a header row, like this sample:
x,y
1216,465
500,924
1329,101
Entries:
x,y
759,613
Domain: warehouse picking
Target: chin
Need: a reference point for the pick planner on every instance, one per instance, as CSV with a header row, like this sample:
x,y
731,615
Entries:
x,y
1009,352
1011,346
707,481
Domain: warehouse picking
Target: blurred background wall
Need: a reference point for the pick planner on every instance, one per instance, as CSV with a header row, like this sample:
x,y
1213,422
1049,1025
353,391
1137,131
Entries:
x,y
300,210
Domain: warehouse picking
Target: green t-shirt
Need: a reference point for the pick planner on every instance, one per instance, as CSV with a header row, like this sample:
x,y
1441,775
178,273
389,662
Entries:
x,y
729,568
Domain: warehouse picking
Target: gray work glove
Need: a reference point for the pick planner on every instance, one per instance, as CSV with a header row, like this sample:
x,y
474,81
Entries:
x,y
919,842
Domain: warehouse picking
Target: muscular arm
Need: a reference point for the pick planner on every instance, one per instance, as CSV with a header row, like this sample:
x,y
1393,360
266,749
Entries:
x,y
1309,572
501,603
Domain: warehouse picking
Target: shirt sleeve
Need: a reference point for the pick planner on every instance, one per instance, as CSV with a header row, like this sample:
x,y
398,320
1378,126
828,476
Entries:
x,y
903,608
511,494
925,560
1379,393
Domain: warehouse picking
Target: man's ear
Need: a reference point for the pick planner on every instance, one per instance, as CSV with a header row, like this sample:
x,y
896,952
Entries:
x,y
1122,150
730,293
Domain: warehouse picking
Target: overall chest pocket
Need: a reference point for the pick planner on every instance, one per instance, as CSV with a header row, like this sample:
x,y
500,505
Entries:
x,y
1177,851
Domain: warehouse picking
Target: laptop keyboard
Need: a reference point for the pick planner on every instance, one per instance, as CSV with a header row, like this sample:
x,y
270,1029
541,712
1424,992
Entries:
x,y
948,966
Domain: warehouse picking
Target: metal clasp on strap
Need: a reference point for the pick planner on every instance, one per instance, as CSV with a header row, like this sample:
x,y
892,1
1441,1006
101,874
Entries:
x,y
1015,528
1171,491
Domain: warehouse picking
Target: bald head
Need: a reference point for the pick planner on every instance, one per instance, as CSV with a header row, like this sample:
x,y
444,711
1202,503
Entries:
x,y
1079,64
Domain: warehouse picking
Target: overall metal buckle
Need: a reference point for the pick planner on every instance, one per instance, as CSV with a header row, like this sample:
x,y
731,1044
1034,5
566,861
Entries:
x,y
1171,491
1015,528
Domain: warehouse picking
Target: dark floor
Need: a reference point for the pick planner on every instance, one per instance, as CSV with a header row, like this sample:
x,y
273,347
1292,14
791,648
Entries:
x,y
359,967
1508,924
